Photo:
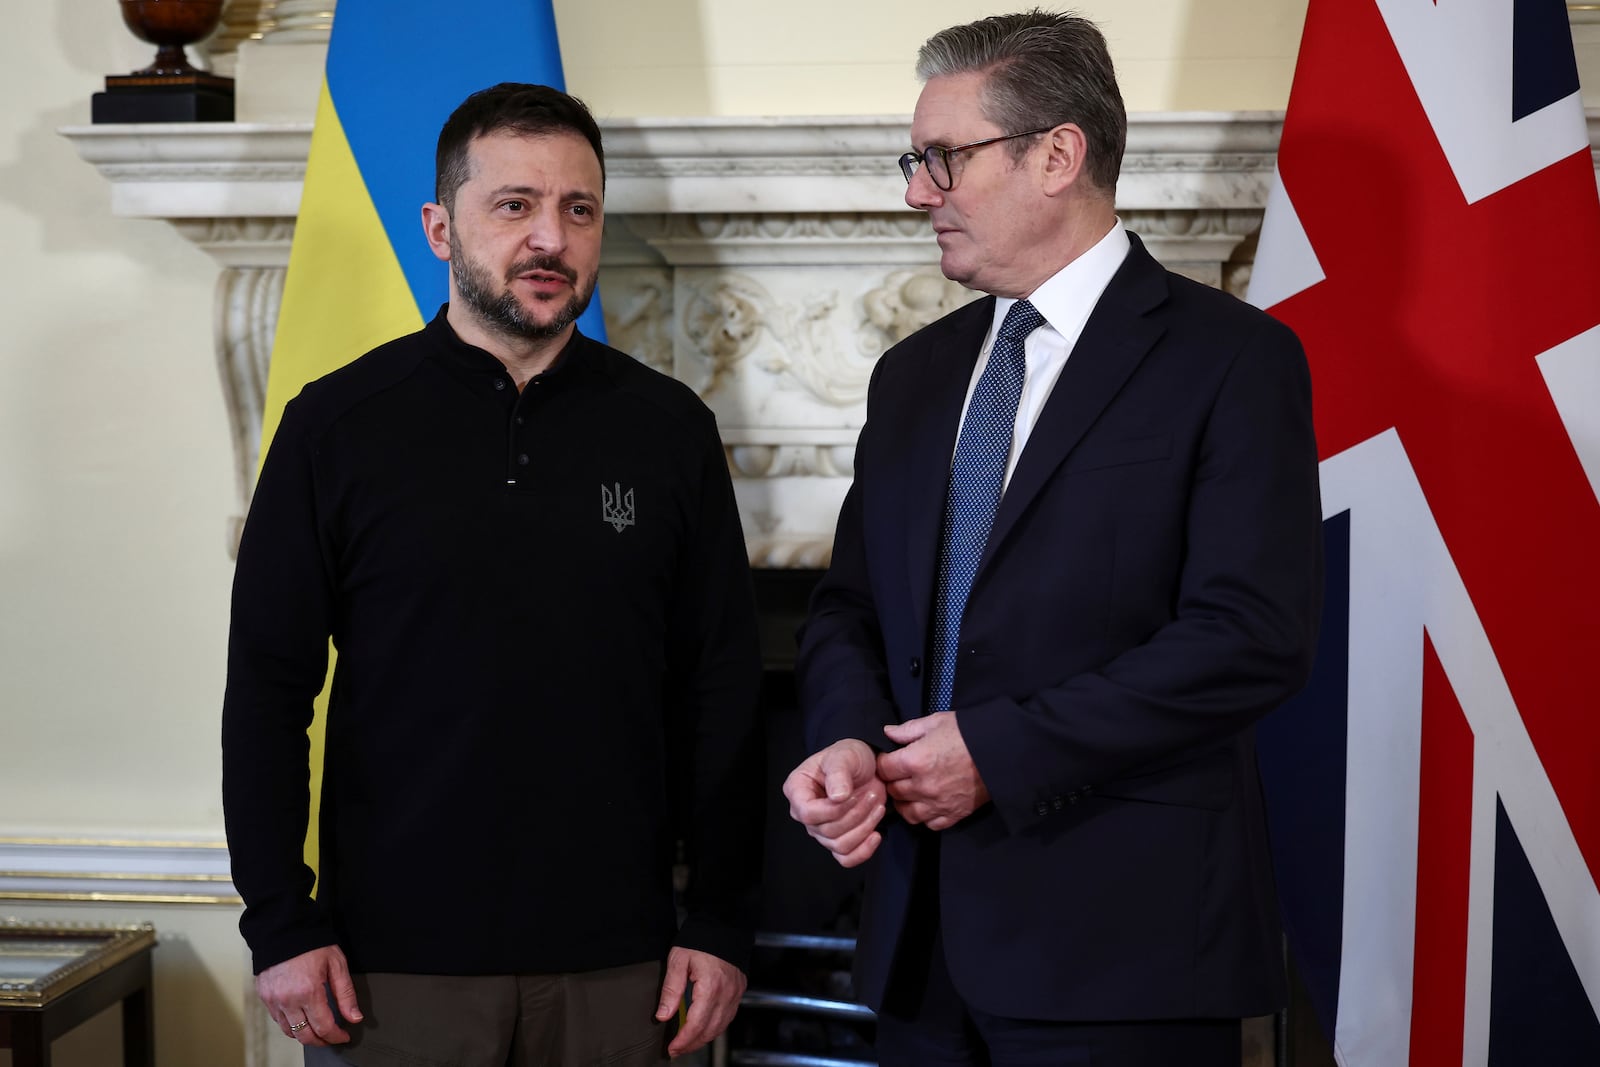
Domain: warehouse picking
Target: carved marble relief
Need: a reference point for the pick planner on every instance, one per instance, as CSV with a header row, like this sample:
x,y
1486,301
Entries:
x,y
247,316
782,351
907,301
723,319
802,342
638,307
783,354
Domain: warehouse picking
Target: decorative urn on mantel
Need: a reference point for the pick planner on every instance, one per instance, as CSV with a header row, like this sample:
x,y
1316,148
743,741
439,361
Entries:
x,y
170,89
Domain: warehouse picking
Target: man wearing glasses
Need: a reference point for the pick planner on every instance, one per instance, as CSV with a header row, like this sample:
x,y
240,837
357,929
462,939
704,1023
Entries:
x,y
1080,559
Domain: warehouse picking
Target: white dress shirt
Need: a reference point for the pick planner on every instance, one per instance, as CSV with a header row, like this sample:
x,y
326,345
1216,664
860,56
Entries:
x,y
1065,300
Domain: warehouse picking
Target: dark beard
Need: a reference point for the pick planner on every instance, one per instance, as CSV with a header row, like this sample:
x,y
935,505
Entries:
x,y
502,311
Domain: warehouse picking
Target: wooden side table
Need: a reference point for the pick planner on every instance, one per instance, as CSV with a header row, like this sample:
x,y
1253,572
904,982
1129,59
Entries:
x,y
54,977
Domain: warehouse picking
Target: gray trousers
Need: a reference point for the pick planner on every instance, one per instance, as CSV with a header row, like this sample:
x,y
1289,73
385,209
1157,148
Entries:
x,y
586,1019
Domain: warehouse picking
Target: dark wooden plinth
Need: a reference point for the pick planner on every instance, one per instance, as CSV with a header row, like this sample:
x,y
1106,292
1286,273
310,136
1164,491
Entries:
x,y
196,103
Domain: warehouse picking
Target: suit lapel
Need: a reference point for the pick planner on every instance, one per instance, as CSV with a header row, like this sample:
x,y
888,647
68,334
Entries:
x,y
1115,339
950,356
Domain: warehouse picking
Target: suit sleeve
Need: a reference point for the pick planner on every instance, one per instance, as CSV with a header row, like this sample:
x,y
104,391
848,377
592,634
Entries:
x,y
277,662
840,670
719,752
1244,622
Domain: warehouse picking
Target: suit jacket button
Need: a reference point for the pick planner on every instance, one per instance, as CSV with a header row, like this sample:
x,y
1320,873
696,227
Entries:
x,y
916,667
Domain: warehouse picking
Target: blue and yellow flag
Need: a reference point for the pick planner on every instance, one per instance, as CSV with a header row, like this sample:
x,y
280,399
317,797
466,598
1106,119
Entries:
x,y
360,270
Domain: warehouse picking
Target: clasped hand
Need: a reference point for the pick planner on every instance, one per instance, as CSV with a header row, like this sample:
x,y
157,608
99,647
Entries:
x,y
931,778
841,793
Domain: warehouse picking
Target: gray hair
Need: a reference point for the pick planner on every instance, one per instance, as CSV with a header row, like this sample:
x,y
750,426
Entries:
x,y
1042,69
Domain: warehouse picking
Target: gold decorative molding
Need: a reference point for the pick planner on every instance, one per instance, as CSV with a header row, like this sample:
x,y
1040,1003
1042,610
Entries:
x,y
109,842
53,897
42,867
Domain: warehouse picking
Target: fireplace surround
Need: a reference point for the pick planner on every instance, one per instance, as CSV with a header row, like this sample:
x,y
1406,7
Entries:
x,y
765,262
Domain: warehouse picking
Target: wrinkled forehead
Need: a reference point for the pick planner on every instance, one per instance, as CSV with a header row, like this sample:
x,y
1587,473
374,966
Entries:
x,y
559,157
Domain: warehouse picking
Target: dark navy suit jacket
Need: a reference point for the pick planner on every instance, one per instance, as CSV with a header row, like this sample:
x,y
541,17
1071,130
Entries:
x,y
1151,587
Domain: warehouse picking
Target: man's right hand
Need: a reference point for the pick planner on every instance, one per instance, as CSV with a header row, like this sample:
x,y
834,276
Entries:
x,y
837,796
295,991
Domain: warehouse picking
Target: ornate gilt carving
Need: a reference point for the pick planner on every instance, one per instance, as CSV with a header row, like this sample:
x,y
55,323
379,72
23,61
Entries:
x,y
242,20
301,21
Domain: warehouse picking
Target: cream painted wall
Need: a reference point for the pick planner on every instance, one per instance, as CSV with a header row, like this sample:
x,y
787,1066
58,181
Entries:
x,y
114,487
114,476
850,57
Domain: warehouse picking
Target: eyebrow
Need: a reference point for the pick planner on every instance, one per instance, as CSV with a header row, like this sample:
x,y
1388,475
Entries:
x,y
567,195
531,191
932,142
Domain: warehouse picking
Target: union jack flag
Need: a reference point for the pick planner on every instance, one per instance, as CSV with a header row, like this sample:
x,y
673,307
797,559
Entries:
x,y
1433,236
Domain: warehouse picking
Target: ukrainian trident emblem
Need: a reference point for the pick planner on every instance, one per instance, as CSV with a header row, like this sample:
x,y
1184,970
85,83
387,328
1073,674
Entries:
x,y
616,507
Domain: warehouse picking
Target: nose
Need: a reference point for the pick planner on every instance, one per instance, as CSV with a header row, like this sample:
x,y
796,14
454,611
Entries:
x,y
921,193
546,230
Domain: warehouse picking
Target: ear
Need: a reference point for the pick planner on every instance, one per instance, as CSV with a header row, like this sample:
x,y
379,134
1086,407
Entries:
x,y
1065,152
436,227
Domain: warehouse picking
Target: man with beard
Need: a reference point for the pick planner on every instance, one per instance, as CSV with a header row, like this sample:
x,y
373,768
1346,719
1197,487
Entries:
x,y
540,689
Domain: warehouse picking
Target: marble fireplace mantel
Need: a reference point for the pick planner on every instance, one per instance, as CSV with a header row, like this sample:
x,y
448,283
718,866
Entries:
x,y
1184,160
765,262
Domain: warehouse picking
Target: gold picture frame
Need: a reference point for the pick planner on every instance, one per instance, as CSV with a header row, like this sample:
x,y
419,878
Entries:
x,y
40,962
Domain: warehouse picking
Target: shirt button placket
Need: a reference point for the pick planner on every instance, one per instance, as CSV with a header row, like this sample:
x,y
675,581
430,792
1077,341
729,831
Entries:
x,y
519,459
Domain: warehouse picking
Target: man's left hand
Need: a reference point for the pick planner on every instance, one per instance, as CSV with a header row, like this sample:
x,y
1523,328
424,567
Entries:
x,y
932,778
717,987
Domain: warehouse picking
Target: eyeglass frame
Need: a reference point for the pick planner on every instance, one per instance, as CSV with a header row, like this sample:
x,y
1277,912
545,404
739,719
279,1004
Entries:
x,y
911,161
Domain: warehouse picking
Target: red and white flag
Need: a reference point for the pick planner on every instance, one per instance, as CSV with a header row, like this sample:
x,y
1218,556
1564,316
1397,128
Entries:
x,y
1433,236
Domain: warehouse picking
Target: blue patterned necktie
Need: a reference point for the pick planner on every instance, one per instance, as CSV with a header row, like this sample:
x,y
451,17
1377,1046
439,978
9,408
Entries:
x,y
976,476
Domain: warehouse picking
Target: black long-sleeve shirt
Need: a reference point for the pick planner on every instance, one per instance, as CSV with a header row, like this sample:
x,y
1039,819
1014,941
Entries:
x,y
546,670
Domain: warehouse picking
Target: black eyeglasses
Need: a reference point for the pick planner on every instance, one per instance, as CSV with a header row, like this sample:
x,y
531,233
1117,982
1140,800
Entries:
x,y
937,157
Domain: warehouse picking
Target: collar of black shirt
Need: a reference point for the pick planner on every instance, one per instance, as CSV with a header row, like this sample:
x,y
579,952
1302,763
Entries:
x,y
474,362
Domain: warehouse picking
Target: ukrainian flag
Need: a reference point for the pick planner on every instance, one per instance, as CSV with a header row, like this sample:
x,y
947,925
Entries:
x,y
360,271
